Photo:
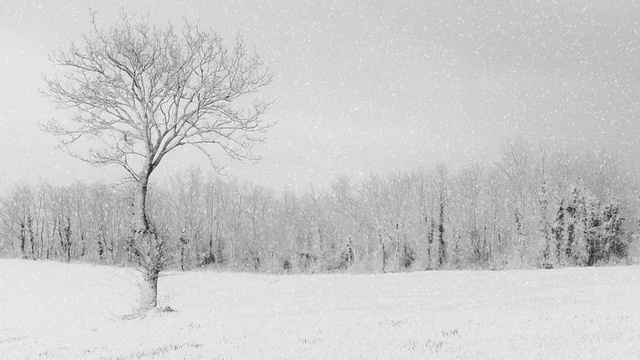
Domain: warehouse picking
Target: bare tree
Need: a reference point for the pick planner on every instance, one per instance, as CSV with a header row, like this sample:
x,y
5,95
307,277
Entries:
x,y
470,182
442,185
516,164
140,91
15,218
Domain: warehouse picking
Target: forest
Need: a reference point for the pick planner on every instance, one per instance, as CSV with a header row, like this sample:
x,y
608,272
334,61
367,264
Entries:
x,y
531,208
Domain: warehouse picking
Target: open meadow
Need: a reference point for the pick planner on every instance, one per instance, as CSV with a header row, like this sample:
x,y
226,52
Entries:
x,y
51,310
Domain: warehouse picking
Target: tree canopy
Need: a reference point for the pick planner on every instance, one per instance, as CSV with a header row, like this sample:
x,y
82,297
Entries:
x,y
138,91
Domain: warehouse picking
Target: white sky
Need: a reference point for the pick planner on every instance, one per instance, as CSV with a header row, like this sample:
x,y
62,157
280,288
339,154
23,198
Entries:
x,y
365,87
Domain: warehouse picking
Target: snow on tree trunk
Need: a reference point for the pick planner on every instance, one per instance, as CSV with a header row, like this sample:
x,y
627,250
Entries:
x,y
142,221
148,249
149,290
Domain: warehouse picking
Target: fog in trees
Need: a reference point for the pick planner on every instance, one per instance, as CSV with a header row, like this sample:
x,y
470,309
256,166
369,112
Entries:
x,y
532,208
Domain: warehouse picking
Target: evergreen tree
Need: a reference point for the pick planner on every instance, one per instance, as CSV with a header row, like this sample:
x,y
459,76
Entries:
x,y
614,245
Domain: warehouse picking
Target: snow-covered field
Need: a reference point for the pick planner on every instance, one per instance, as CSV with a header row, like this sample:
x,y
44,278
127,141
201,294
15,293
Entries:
x,y
59,311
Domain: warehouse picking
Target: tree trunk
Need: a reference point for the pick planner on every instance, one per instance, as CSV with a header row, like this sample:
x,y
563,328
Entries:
x,y
140,206
149,285
149,290
430,235
23,239
384,255
442,250
41,241
397,250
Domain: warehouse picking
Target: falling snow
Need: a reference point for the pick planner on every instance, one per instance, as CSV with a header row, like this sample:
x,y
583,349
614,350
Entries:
x,y
426,82
360,88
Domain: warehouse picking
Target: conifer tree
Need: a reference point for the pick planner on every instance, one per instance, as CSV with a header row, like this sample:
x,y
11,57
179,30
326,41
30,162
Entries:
x,y
613,234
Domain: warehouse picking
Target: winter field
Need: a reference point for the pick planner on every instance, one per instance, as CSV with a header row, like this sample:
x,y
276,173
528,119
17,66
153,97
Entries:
x,y
52,310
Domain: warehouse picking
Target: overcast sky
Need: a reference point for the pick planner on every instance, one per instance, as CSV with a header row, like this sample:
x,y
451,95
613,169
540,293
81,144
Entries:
x,y
365,87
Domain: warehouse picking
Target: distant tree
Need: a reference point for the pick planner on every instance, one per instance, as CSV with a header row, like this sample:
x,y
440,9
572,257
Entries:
x,y
183,215
559,232
214,207
395,201
17,220
442,185
64,234
345,214
258,207
517,166
604,235
98,218
371,214
470,190
494,185
593,234
235,220
425,212
545,228
29,233
571,231
141,91
578,223
79,196
614,244
431,226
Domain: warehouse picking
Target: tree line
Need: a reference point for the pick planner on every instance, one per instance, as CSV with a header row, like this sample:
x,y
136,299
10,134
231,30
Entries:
x,y
532,208
139,90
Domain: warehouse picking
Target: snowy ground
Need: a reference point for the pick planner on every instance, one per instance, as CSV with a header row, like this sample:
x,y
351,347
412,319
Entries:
x,y
62,311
